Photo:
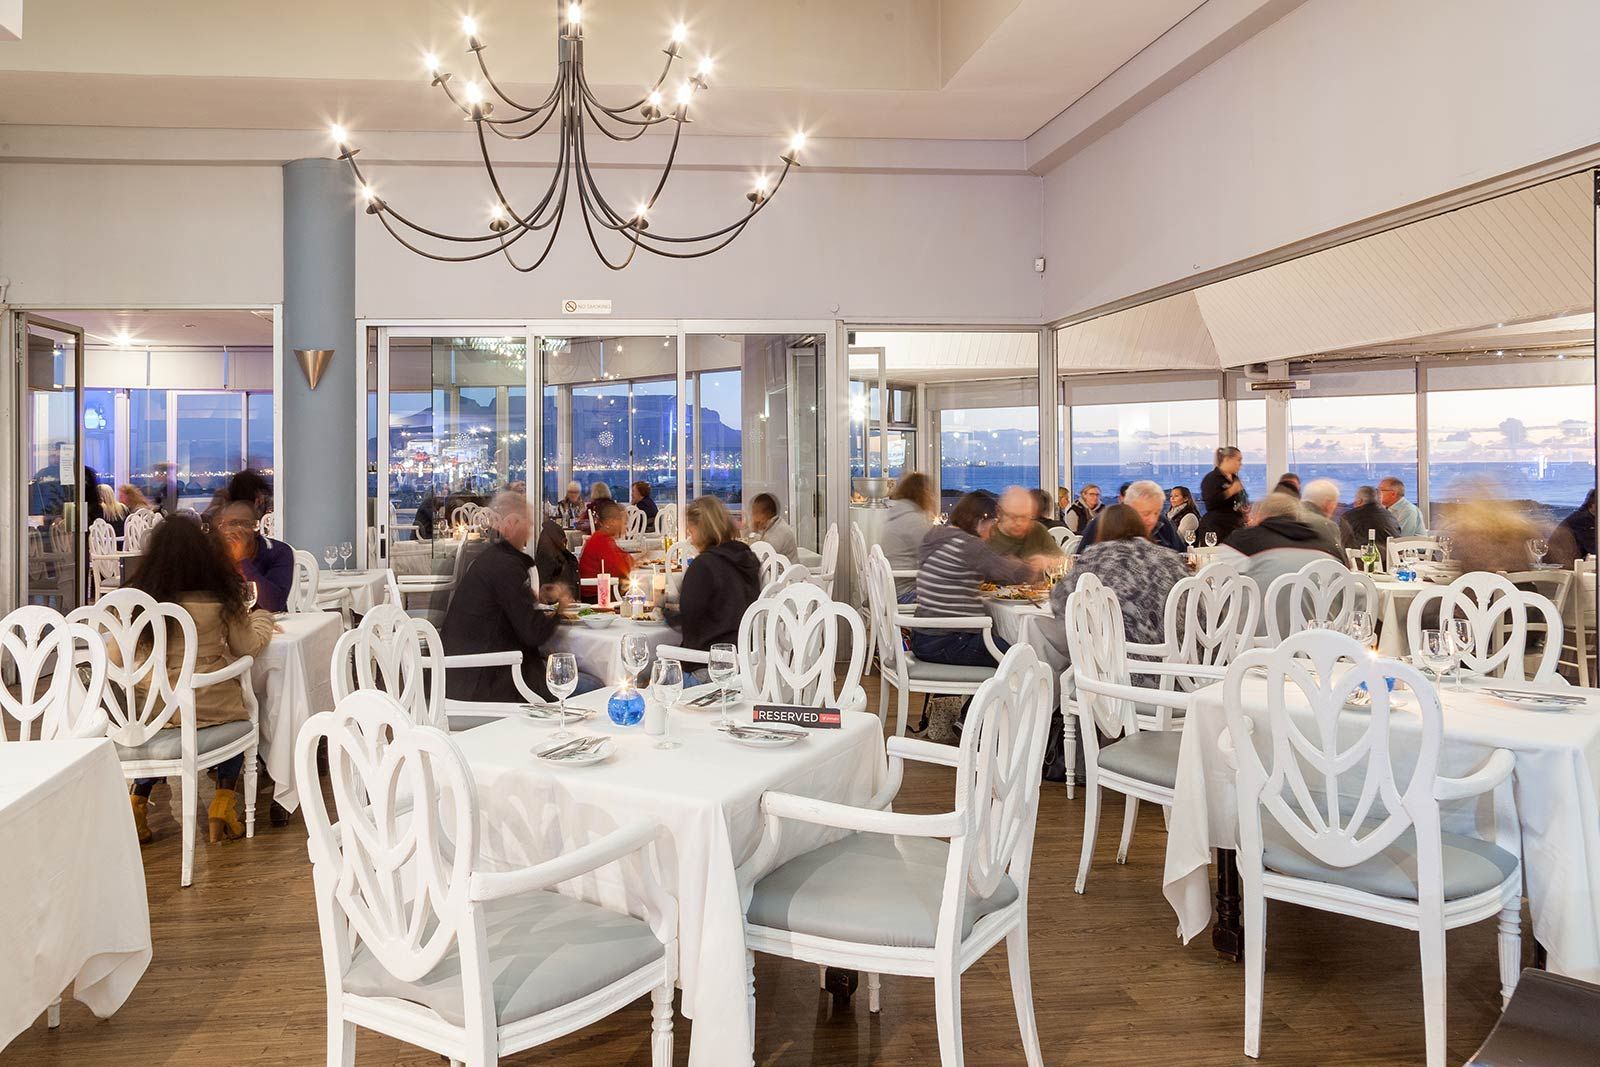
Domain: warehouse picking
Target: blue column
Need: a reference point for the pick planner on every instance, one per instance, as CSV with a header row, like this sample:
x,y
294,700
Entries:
x,y
318,464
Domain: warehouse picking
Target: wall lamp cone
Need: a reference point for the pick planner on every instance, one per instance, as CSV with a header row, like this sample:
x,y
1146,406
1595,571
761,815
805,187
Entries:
x,y
313,363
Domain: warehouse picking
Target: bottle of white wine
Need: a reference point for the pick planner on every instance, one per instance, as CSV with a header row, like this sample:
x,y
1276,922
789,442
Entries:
x,y
1369,555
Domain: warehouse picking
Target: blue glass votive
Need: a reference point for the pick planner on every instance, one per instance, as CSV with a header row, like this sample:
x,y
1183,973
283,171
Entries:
x,y
626,706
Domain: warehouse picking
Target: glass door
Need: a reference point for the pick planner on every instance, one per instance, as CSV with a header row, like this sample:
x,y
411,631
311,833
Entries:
x,y
51,355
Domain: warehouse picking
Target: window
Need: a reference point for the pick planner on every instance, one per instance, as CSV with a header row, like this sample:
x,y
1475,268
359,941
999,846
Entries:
x,y
1171,442
718,418
655,437
209,440
1250,437
553,489
600,437
1354,440
987,448
147,442
866,428
100,433
258,448
1535,444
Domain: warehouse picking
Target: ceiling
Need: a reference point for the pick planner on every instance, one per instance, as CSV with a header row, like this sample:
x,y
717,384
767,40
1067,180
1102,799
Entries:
x,y
928,356
954,69
132,329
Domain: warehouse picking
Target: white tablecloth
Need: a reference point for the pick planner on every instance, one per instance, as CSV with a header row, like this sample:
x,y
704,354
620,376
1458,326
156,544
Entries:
x,y
706,795
1395,599
599,652
1557,771
367,588
1020,622
293,681
72,900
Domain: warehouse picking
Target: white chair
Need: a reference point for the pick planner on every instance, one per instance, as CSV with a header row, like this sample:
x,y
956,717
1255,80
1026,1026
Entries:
x,y
1496,613
1323,593
823,578
137,526
638,524
897,667
269,524
462,515
858,589
1578,648
1098,689
1555,586
435,585
1411,550
40,650
1061,535
483,520
1329,821
790,646
103,561
307,594
136,630
892,897
594,583
667,520
420,944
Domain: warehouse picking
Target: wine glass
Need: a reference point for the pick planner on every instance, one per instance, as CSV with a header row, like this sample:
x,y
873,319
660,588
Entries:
x,y
723,665
1436,653
1538,546
249,596
666,682
1188,536
1445,545
1361,628
635,653
1460,644
346,550
1211,539
561,676
330,555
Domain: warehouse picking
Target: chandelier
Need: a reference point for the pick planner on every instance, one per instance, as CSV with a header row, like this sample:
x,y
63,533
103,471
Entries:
x,y
581,114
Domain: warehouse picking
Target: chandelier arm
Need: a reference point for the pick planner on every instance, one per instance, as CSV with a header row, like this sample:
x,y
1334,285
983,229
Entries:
x,y
616,220
548,246
619,137
635,106
588,225
591,103
382,217
385,209
529,221
555,90
525,134
467,109
734,227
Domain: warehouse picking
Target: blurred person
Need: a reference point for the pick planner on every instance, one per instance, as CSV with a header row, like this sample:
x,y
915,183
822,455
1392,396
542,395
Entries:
x,y
598,493
1574,538
553,557
113,512
600,549
639,494
1318,505
1224,497
1064,500
1278,541
1017,532
1140,572
1181,509
1366,513
1081,511
1122,493
253,488
956,560
1290,483
570,508
268,563
1487,533
912,510
767,525
132,498
181,565
219,500
1407,516
1041,511
496,609
1145,498
719,584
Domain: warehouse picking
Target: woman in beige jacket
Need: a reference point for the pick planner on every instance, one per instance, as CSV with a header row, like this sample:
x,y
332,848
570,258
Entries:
x,y
183,565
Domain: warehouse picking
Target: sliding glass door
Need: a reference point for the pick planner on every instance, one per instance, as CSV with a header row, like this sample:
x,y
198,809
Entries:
x,y
53,474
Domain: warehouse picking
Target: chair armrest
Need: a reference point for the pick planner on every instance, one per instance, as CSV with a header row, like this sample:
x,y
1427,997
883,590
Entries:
x,y
682,654
1135,648
1179,670
1496,770
1137,693
923,751
953,622
846,817
904,574
511,658
618,843
237,669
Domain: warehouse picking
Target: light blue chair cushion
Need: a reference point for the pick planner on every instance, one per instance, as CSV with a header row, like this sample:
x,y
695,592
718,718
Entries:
x,y
168,744
871,889
1149,755
1471,866
544,950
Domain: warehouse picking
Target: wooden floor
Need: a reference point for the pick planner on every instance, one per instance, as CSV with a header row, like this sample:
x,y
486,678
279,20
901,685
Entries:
x,y
237,977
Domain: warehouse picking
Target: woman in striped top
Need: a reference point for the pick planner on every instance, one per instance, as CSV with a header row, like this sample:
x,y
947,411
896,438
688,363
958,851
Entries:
x,y
955,562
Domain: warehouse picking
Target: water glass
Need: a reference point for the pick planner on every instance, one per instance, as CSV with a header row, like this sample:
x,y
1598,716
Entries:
x,y
1537,547
1460,643
1436,653
635,655
1188,537
561,676
666,683
1362,629
250,594
1211,539
723,665
330,554
346,550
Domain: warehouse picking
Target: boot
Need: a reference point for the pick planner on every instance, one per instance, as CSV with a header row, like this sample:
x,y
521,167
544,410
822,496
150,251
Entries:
x,y
141,818
225,824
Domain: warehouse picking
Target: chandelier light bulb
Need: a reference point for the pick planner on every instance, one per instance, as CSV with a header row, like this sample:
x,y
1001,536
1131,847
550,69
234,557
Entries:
x,y
705,66
685,94
680,33
798,142
655,99
430,61
469,25
497,212
340,135
574,13
367,194
473,93
640,212
761,185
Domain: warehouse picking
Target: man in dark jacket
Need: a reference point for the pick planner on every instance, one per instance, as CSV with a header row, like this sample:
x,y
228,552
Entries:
x,y
496,609
1146,498
1280,542
1367,513
267,563
1574,538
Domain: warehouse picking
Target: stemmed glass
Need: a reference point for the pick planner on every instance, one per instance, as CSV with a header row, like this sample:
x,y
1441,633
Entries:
x,y
1460,644
635,656
1538,546
1188,537
330,555
250,596
1445,545
561,676
346,550
666,682
723,665
1211,539
1361,628
1436,653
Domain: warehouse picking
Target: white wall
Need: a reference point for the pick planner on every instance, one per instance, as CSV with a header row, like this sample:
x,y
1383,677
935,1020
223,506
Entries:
x,y
1340,111
87,234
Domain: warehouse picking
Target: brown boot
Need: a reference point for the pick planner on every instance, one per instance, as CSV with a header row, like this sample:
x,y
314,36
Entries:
x,y
141,818
225,824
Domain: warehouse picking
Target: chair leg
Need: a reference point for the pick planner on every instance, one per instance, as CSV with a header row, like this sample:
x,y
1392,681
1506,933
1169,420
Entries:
x,y
251,772
52,1014
1091,826
1433,991
883,699
1022,992
661,1026
341,1043
188,791
947,1014
750,992
1069,750
822,976
1510,949
1255,959
1130,815
874,993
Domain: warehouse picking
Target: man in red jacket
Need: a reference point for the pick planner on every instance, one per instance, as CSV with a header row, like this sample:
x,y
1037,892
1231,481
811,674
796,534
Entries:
x,y
601,551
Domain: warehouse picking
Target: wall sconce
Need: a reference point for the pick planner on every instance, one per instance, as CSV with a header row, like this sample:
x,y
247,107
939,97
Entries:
x,y
313,363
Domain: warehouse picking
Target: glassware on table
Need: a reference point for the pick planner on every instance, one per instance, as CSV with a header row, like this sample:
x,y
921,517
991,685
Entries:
x,y
1362,629
346,550
1445,545
666,683
1436,653
1537,547
626,706
635,653
330,555
561,676
723,665
1460,644
1188,536
250,594
1211,539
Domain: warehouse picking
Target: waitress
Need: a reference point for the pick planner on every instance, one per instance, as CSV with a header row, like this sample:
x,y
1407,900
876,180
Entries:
x,y
1224,497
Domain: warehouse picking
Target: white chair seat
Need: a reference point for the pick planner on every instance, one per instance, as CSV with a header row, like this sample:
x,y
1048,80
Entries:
x,y
1471,866
1149,755
168,743
922,671
821,892
545,951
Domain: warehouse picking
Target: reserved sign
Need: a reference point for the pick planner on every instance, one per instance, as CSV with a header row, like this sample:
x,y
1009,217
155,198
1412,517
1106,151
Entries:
x,y
810,718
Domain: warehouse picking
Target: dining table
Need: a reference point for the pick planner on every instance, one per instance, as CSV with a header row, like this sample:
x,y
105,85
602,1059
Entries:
x,y
1031,623
75,909
706,796
1557,790
599,651
368,588
293,680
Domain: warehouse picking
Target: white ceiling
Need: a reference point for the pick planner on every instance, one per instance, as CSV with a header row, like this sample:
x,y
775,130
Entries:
x,y
934,356
956,69
170,329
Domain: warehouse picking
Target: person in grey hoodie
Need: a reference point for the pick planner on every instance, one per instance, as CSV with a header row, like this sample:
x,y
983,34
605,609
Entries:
x,y
911,512
1278,541
955,562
